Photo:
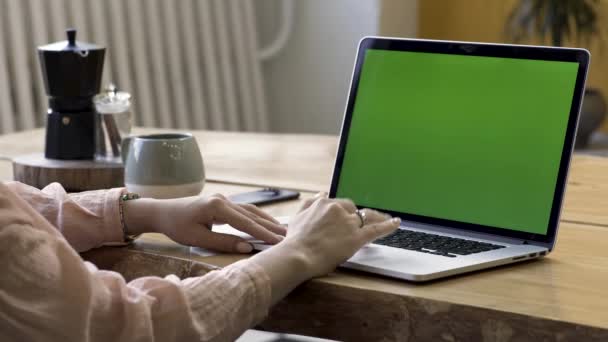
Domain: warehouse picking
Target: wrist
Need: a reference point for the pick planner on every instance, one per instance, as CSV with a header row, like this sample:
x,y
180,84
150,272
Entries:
x,y
287,266
297,257
140,216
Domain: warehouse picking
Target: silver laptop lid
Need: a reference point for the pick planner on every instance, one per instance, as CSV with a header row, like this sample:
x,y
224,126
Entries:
x,y
470,136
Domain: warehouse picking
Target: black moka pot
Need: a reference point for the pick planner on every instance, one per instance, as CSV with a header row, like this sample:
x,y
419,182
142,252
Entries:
x,y
72,76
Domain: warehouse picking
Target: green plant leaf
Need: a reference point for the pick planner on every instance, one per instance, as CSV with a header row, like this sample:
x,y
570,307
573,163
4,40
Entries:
x,y
557,20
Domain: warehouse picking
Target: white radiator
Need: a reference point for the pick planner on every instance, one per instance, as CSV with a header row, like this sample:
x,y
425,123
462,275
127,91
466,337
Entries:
x,y
188,63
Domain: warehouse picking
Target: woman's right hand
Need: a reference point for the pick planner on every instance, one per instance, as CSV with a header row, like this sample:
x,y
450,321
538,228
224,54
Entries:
x,y
324,234
328,232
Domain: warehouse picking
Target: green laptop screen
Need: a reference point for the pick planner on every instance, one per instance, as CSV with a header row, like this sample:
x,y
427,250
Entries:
x,y
465,138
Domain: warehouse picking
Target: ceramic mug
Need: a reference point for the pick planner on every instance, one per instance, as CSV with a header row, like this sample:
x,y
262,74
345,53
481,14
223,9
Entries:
x,y
163,165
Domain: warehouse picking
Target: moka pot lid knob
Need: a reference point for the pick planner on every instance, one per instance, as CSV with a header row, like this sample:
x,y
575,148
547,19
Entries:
x,y
70,45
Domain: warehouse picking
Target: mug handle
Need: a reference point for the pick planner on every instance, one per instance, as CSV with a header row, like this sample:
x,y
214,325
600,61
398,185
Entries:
x,y
125,144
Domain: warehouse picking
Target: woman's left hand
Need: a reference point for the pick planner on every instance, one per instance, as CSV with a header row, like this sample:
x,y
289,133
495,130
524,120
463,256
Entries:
x,y
189,221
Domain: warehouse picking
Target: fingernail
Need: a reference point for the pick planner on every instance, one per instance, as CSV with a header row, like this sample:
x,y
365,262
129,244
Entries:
x,y
280,238
244,247
396,220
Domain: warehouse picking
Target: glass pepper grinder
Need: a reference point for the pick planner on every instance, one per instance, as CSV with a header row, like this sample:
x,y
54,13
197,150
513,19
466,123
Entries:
x,y
113,123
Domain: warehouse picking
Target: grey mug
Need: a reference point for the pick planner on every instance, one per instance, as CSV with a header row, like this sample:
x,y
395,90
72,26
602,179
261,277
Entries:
x,y
163,165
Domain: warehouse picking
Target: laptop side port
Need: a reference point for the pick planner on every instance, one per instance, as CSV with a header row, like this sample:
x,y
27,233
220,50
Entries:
x,y
519,257
532,255
542,253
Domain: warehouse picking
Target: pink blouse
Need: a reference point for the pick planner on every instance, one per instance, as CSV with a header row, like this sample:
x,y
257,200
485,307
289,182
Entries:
x,y
48,293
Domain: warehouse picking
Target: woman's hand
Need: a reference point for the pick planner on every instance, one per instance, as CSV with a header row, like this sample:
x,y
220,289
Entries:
x,y
189,221
324,234
329,231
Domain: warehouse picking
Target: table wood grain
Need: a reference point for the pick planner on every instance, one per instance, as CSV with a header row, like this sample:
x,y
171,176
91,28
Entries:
x,y
586,199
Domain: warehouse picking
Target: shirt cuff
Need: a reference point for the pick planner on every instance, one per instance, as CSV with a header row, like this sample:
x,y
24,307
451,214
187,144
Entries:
x,y
113,232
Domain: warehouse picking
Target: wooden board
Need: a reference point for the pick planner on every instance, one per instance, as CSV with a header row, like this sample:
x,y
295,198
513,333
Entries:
x,y
74,175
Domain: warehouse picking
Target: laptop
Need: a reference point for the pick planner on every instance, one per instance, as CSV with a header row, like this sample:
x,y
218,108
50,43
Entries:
x,y
468,143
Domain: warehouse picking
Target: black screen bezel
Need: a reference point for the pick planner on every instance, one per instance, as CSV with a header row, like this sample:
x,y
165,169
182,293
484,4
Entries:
x,y
580,56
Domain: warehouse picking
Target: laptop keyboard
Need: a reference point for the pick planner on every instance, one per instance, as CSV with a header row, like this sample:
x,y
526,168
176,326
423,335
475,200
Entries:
x,y
435,244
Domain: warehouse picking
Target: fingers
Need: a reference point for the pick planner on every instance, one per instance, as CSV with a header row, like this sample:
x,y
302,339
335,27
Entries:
x,y
347,204
260,217
373,216
257,211
309,201
343,203
220,196
222,242
241,221
374,231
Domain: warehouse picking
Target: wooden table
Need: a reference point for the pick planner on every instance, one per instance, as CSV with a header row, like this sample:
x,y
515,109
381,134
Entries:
x,y
562,297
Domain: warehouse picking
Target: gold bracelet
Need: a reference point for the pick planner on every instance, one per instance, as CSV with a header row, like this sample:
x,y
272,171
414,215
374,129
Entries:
x,y
125,231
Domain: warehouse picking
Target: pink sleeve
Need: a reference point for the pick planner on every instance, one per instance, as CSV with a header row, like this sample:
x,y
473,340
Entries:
x,y
47,293
87,219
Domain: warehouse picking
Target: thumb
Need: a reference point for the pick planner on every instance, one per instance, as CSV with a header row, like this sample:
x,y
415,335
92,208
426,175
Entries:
x,y
223,242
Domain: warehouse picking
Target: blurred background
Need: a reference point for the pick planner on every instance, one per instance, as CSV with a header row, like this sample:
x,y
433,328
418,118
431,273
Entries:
x,y
263,65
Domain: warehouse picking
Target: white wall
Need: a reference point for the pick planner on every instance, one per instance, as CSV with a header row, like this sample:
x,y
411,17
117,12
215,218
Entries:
x,y
306,85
